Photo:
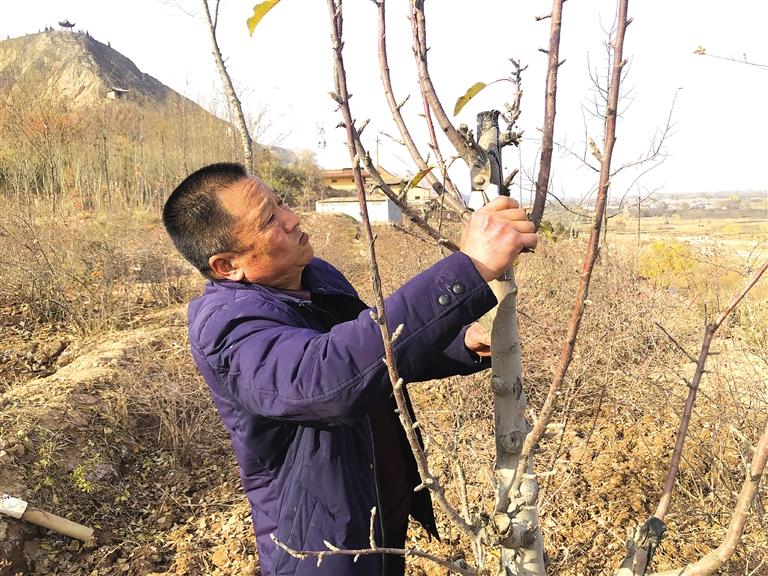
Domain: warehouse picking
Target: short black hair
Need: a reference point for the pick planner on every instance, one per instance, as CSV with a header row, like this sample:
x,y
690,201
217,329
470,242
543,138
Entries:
x,y
199,225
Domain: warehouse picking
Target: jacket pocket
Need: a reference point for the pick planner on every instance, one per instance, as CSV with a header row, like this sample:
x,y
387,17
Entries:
x,y
295,523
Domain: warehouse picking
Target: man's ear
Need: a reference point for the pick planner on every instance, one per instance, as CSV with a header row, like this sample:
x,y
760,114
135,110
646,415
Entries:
x,y
225,267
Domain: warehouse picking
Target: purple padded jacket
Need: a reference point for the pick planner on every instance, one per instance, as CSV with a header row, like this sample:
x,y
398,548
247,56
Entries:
x,y
295,397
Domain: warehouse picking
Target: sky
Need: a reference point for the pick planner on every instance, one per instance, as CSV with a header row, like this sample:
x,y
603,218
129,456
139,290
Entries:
x,y
717,136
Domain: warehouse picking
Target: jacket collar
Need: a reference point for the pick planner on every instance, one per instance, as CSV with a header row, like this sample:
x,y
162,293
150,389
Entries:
x,y
314,278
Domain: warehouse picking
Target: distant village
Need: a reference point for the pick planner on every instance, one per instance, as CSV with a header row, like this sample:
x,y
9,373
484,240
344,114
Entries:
x,y
341,199
743,204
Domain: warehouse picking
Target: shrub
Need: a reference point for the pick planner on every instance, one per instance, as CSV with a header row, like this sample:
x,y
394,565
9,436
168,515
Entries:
x,y
667,263
87,274
750,324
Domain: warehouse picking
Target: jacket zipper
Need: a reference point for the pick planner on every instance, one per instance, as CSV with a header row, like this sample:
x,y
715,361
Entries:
x,y
379,509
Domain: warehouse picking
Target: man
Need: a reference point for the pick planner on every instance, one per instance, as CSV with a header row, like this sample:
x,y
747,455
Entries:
x,y
295,364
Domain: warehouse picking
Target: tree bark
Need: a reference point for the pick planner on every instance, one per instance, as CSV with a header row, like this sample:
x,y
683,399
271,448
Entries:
x,y
229,90
550,100
515,525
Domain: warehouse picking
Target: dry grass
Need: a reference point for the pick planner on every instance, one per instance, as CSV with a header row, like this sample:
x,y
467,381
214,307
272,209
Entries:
x,y
87,274
129,440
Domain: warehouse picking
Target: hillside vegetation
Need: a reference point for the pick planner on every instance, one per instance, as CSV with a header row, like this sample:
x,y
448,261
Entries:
x,y
67,143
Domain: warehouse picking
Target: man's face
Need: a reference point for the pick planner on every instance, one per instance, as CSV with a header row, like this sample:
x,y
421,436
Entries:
x,y
274,248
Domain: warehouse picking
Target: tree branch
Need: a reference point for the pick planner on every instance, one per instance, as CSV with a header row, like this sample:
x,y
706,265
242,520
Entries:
x,y
386,189
640,550
655,151
716,558
703,52
468,150
709,332
676,343
577,313
449,191
550,100
234,103
374,549
427,478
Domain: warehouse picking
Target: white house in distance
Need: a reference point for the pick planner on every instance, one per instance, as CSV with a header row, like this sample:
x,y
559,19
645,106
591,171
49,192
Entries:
x,y
380,208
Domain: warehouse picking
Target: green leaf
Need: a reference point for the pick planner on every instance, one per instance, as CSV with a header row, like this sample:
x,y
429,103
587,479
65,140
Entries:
x,y
471,93
258,13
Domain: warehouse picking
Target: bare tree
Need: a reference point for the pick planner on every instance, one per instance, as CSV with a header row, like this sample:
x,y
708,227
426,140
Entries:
x,y
515,526
513,529
646,537
550,108
212,18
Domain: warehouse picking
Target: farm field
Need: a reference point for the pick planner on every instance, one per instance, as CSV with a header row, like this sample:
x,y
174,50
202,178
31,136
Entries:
x,y
103,418
745,238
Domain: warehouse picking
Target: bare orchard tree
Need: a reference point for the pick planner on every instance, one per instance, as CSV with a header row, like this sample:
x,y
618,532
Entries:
x,y
645,538
509,541
513,528
236,108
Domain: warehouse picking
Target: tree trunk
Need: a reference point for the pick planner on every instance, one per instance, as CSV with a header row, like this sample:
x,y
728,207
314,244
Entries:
x,y
229,90
550,100
515,520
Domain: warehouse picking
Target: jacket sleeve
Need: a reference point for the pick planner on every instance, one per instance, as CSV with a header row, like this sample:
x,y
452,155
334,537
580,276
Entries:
x,y
455,360
279,370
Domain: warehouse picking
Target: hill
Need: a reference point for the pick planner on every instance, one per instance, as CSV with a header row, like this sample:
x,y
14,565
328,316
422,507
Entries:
x,y
79,72
81,122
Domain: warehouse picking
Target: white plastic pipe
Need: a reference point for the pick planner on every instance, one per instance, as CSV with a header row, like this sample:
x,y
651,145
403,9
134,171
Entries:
x,y
13,507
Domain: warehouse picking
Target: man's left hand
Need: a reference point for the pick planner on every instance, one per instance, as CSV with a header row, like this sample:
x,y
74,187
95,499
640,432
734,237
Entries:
x,y
478,340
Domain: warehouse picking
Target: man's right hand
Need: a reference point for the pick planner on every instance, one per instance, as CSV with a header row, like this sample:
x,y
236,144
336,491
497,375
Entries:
x,y
495,234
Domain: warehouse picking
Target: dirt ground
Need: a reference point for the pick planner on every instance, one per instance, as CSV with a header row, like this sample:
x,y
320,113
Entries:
x,y
114,429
